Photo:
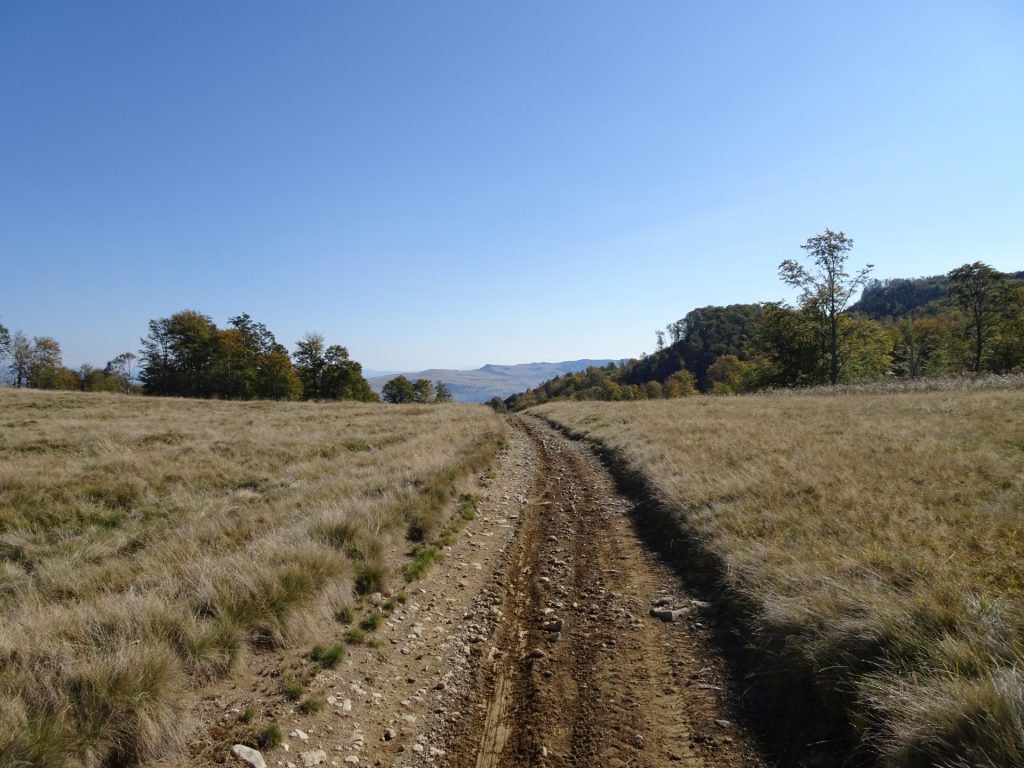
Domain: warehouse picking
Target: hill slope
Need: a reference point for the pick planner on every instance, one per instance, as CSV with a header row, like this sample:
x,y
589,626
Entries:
x,y
481,384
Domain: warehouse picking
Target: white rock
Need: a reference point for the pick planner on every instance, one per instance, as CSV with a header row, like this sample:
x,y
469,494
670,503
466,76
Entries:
x,y
300,735
249,756
313,758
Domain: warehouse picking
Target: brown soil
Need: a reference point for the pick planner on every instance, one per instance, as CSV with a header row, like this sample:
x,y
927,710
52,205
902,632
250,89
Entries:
x,y
531,643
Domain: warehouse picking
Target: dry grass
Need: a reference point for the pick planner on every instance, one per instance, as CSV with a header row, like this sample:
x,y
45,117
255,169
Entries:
x,y
147,545
874,544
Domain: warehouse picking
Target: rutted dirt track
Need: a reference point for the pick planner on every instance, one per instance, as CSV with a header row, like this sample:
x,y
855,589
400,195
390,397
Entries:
x,y
530,644
578,672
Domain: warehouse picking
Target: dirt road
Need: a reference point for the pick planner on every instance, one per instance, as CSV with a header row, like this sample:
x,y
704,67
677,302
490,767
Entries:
x,y
530,644
578,671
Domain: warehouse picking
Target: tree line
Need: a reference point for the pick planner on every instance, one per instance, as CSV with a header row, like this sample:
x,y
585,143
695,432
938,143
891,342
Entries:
x,y
970,320
187,355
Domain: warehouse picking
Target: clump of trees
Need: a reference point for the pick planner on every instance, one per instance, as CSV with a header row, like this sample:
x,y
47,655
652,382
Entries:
x,y
187,355
970,320
401,390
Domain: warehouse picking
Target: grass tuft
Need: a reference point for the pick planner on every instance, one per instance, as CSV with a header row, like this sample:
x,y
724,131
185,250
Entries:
x,y
292,689
312,705
271,736
327,656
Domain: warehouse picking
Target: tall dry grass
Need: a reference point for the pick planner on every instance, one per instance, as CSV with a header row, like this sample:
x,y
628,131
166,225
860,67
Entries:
x,y
872,543
148,545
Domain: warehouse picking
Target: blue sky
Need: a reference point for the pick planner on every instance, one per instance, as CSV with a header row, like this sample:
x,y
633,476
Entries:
x,y
455,183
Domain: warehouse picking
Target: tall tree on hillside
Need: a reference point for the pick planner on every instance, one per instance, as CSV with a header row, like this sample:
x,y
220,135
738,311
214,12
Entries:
x,y
828,288
987,298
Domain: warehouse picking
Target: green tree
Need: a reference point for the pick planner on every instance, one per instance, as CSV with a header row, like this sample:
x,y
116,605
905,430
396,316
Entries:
x,y
343,377
423,391
310,364
988,299
441,393
866,349
237,366
399,390
498,404
726,376
179,355
261,365
278,378
790,348
828,288
924,346
46,369
94,380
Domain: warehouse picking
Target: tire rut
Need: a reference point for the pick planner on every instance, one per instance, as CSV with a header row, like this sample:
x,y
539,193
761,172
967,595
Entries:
x,y
578,672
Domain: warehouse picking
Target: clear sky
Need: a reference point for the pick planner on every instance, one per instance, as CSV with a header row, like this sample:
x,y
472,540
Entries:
x,y
455,183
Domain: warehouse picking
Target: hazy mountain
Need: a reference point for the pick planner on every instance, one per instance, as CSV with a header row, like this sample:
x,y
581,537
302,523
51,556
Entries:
x,y
480,385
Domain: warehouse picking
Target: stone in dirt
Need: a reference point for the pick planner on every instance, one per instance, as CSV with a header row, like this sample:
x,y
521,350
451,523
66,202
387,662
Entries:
x,y
249,756
313,758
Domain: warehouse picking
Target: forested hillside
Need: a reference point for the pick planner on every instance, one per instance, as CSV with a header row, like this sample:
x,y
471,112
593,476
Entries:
x,y
968,321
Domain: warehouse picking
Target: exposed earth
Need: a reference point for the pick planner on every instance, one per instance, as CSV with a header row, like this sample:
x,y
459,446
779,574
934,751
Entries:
x,y
547,636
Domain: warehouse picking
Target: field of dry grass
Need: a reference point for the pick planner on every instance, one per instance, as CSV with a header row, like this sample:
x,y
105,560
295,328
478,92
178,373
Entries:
x,y
147,545
874,544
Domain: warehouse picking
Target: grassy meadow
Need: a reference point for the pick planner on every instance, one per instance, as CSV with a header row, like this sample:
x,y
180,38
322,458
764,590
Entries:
x,y
148,545
872,543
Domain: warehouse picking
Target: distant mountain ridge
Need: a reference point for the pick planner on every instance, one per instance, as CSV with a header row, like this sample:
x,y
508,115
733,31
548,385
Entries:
x,y
481,384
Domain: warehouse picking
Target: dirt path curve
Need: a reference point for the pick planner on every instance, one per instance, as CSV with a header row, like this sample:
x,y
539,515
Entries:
x,y
577,671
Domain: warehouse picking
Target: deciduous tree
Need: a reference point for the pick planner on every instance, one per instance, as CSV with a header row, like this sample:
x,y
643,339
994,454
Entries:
x,y
45,369
828,288
120,369
21,359
441,393
424,390
987,298
399,390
